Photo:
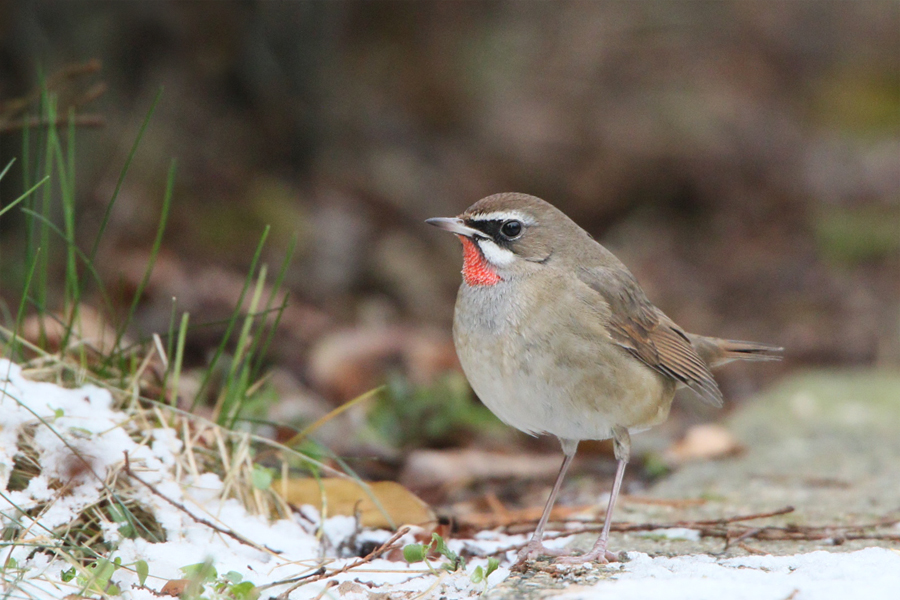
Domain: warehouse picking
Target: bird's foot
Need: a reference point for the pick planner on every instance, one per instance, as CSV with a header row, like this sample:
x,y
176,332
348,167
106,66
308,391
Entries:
x,y
598,555
534,549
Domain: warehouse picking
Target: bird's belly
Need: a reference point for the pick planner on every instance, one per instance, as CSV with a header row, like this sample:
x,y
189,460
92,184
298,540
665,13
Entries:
x,y
578,392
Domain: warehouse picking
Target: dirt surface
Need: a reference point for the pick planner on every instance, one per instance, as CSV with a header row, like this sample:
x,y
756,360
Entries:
x,y
825,443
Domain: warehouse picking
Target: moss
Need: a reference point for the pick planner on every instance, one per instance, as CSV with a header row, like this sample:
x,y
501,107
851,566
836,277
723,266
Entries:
x,y
858,99
857,235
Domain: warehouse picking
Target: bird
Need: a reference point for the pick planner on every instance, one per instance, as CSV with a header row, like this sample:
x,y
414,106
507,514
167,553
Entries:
x,y
556,337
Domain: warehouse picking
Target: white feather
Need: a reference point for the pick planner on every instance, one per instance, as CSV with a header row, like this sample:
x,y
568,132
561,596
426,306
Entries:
x,y
497,256
503,215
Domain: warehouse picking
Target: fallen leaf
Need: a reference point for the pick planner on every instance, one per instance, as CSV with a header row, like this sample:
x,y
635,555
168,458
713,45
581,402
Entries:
x,y
706,441
346,363
480,520
175,587
456,468
398,506
346,588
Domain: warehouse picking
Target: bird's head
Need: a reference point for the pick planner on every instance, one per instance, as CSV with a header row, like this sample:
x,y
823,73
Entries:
x,y
508,235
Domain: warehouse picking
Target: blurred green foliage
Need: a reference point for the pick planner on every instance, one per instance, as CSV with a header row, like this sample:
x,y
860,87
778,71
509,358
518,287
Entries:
x,y
859,101
858,234
443,413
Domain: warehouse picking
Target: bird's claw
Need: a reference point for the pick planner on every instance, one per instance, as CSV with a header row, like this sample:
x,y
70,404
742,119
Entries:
x,y
600,555
534,549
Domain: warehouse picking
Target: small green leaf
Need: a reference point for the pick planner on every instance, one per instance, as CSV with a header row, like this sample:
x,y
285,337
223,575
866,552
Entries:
x,y
261,477
142,571
493,565
67,575
234,577
244,591
104,569
117,514
439,546
455,561
477,575
58,413
200,571
414,553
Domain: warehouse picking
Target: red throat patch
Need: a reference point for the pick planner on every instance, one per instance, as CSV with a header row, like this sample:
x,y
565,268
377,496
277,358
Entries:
x,y
476,269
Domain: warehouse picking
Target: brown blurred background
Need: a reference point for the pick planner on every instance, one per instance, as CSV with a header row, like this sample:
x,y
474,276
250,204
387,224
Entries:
x,y
742,158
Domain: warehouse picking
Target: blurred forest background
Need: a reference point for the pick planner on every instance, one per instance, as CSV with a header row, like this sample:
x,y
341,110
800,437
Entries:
x,y
742,158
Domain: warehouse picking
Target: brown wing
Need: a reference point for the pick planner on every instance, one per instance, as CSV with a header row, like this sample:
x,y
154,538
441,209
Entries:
x,y
648,334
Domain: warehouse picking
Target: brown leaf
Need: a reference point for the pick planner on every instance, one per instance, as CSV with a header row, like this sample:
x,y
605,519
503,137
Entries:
x,y
456,468
175,587
345,363
348,497
707,441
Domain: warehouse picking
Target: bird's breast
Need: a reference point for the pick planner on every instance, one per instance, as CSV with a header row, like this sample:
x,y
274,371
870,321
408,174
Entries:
x,y
543,362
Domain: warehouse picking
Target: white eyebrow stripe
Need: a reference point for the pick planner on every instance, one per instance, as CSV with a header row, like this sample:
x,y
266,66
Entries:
x,y
503,215
494,254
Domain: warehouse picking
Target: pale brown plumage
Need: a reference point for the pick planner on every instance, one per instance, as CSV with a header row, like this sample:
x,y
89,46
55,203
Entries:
x,y
648,334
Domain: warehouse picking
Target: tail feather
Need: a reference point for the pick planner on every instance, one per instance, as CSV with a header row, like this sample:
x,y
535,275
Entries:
x,y
716,351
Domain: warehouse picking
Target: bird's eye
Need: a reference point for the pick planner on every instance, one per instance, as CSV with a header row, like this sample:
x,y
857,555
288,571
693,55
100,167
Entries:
x,y
511,229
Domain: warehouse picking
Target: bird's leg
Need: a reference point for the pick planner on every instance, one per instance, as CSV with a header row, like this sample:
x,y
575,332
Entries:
x,y
535,547
599,553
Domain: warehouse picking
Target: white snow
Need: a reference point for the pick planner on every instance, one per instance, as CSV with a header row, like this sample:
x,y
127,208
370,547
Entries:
x,y
873,574
83,420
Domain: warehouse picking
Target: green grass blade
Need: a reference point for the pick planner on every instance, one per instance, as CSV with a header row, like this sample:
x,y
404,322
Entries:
x,y
112,201
235,393
84,258
27,193
231,322
20,314
179,360
66,168
29,258
68,199
160,230
36,168
26,154
260,350
170,343
43,273
7,168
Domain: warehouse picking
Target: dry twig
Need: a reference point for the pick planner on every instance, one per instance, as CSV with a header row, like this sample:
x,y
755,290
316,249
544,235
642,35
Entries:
x,y
182,508
323,574
35,122
734,532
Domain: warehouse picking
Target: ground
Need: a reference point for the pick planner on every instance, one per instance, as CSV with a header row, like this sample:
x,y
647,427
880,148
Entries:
x,y
824,444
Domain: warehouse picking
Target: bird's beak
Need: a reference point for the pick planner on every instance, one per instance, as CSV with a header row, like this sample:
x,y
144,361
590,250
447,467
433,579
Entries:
x,y
454,225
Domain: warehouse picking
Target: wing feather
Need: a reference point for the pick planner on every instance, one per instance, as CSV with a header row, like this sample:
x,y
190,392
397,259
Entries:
x,y
648,334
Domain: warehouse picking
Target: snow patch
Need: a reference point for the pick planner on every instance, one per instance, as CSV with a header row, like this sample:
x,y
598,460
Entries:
x,y
61,419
